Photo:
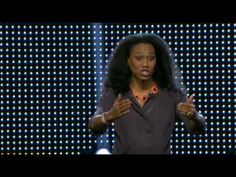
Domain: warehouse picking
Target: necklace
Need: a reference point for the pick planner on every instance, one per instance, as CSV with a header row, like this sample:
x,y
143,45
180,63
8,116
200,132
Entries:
x,y
143,97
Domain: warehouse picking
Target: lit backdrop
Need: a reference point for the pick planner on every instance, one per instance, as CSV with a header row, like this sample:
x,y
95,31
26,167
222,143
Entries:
x,y
51,75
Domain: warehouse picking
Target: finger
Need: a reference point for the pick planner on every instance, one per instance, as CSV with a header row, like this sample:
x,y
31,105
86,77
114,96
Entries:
x,y
190,115
124,113
187,114
118,98
190,100
186,105
180,105
124,108
126,101
122,103
185,110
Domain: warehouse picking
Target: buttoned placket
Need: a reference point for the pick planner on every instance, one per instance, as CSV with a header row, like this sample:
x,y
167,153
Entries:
x,y
140,110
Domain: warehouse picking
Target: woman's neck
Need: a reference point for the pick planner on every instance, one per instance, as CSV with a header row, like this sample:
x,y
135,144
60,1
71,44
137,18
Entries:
x,y
141,85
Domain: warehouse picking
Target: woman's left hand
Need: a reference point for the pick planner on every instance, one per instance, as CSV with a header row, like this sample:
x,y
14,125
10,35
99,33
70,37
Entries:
x,y
188,109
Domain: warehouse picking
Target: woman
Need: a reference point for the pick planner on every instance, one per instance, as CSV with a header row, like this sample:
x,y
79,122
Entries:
x,y
143,98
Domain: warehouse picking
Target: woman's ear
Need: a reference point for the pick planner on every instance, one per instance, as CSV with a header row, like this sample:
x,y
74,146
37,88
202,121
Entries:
x,y
128,61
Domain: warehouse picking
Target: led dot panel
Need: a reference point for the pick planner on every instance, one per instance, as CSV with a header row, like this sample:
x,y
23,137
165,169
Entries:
x,y
51,76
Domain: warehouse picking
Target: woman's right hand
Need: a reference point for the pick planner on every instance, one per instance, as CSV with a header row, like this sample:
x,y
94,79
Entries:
x,y
119,109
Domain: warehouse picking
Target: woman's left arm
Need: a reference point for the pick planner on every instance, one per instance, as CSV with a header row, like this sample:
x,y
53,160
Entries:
x,y
194,121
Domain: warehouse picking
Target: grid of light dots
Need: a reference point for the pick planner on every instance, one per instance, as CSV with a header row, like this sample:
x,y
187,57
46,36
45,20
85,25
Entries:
x,y
46,82
206,58
48,91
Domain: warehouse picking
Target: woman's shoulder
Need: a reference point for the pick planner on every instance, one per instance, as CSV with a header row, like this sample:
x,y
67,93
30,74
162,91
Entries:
x,y
107,94
106,99
174,93
108,91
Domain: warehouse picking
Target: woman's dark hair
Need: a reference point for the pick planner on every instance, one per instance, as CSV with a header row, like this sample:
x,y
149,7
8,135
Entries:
x,y
166,73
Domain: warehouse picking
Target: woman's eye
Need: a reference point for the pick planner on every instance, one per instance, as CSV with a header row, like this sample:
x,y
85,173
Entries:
x,y
152,58
138,58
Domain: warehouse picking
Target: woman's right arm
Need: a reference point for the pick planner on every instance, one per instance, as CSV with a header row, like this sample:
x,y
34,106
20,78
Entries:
x,y
98,124
102,118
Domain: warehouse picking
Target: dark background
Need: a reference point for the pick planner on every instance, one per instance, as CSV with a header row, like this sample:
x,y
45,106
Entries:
x,y
51,75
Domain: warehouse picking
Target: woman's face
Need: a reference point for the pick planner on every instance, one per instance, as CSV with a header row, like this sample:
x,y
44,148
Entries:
x,y
142,61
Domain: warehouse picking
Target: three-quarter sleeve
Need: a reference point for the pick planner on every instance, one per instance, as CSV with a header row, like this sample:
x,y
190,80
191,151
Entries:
x,y
198,124
105,102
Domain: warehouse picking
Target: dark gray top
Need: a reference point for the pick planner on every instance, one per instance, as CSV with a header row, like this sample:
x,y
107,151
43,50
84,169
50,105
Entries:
x,y
148,130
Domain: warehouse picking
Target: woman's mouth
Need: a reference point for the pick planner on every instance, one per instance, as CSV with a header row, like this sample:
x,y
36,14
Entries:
x,y
145,73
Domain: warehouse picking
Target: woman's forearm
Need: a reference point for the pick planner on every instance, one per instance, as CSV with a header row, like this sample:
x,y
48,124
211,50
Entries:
x,y
98,124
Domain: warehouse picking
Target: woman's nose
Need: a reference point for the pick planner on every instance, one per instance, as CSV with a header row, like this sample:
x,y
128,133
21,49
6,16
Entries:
x,y
145,62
